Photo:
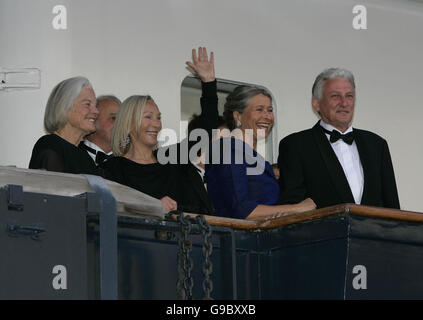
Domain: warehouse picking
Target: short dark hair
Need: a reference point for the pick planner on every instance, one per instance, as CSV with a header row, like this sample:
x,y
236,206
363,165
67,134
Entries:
x,y
195,122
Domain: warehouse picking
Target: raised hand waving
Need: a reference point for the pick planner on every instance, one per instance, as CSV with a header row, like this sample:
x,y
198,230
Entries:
x,y
201,65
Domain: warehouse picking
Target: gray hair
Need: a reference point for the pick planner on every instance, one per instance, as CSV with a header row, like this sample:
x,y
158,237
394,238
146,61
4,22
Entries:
x,y
239,99
108,98
129,112
331,73
61,100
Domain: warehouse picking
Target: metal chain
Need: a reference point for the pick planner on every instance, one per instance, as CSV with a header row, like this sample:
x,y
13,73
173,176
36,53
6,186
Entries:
x,y
185,282
185,263
180,262
207,251
180,258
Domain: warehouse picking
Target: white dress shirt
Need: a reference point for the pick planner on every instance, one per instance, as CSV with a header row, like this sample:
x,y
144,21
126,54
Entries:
x,y
201,172
349,159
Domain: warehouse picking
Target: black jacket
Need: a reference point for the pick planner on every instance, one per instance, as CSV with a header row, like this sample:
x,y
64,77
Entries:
x,y
309,168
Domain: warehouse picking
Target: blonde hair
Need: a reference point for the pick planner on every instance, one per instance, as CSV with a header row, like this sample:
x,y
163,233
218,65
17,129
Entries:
x,y
130,112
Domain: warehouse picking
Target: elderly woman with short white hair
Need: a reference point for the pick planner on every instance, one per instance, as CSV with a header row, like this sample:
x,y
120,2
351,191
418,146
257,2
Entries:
x,y
69,116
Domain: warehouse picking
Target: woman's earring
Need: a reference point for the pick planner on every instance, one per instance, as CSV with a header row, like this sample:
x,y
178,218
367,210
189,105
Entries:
x,y
126,142
238,123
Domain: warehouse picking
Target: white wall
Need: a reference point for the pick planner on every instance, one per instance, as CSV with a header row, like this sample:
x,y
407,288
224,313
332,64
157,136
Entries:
x,y
131,46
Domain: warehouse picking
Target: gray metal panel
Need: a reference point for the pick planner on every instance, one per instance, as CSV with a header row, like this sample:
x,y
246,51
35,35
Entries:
x,y
392,253
26,267
308,260
147,265
305,260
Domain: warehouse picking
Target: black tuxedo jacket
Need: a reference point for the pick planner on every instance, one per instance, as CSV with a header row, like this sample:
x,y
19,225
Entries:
x,y
309,168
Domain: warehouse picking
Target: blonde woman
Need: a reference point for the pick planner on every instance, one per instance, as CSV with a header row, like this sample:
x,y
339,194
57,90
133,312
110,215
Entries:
x,y
134,143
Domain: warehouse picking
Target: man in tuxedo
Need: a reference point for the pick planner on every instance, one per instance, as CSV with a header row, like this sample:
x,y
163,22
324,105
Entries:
x,y
333,163
98,144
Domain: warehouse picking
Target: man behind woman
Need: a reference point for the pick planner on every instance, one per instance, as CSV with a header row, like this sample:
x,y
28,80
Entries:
x,y
71,113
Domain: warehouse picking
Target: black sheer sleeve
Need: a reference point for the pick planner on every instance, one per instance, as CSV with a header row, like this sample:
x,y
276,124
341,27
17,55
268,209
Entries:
x,y
209,116
49,160
54,153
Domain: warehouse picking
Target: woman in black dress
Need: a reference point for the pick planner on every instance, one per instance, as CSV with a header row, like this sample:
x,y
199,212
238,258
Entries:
x,y
134,144
70,115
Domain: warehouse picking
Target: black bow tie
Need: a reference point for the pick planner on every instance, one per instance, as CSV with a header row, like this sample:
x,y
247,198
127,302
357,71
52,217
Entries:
x,y
100,156
335,136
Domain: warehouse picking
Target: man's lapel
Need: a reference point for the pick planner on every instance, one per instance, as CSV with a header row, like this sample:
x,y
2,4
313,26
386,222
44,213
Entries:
x,y
334,168
195,179
364,152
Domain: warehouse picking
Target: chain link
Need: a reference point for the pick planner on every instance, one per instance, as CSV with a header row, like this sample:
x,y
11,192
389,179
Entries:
x,y
207,251
180,258
185,264
180,262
